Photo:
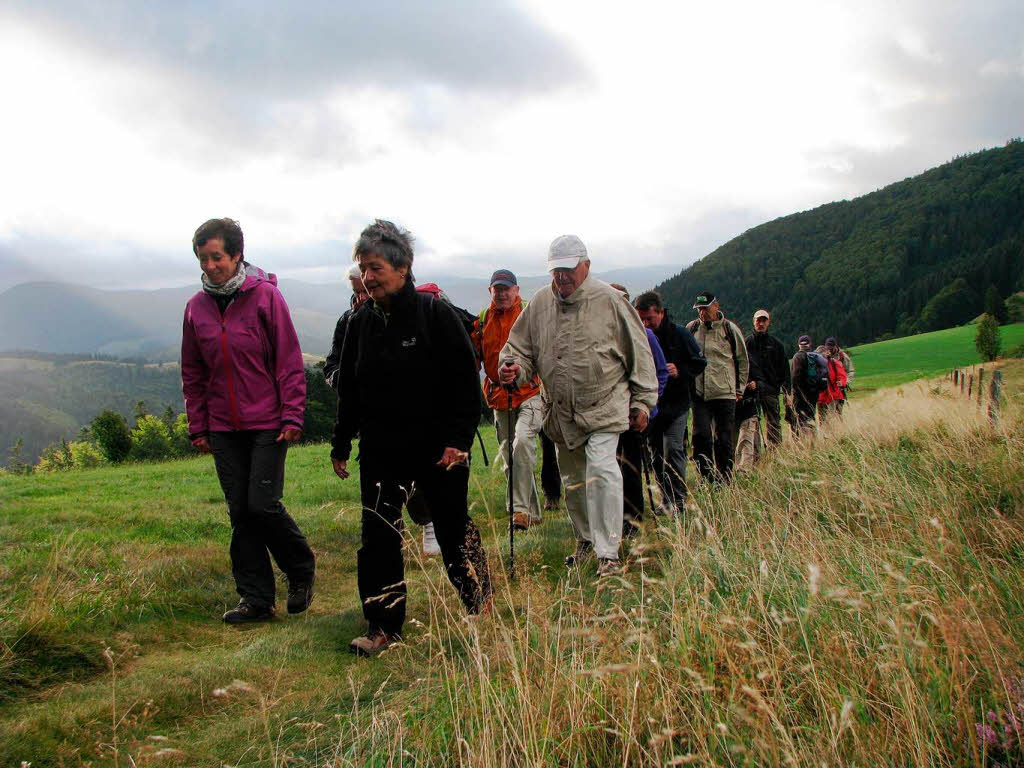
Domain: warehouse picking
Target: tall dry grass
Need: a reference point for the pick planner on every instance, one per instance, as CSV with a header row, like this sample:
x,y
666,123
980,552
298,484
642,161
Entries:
x,y
857,600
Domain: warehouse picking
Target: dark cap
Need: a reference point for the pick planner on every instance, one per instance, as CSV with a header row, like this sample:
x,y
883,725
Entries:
x,y
804,340
830,342
704,299
503,277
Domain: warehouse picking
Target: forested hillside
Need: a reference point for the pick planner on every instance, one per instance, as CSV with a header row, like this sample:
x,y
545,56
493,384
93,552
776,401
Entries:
x,y
915,256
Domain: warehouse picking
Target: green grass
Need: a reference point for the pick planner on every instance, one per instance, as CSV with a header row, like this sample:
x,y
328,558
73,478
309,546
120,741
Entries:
x,y
897,361
856,601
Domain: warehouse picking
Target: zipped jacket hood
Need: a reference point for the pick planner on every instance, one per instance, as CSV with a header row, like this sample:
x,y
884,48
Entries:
x,y
242,369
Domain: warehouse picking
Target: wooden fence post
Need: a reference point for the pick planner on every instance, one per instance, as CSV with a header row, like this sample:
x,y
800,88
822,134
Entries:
x,y
963,381
956,378
981,384
994,394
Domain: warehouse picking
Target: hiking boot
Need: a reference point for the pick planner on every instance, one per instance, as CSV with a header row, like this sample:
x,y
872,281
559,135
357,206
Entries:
x,y
521,521
245,612
609,566
584,551
300,595
372,643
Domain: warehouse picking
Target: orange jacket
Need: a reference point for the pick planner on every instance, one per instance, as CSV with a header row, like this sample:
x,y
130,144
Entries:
x,y
490,332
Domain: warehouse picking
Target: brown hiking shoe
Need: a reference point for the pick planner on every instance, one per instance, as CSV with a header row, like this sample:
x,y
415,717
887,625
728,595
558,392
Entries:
x,y
584,551
300,595
609,566
521,521
372,643
245,612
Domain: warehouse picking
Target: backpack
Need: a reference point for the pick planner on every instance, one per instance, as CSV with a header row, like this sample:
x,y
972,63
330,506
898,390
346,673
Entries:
x,y
816,375
433,289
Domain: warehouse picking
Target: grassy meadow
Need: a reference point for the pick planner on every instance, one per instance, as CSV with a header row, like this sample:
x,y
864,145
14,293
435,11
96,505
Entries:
x,y
897,361
855,601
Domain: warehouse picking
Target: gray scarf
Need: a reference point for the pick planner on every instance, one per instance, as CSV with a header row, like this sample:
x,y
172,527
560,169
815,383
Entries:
x,y
229,286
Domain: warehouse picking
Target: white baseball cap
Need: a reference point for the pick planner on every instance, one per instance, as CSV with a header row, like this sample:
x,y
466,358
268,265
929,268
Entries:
x,y
566,252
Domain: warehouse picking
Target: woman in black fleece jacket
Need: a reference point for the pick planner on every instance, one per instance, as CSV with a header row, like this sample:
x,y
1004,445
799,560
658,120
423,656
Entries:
x,y
408,388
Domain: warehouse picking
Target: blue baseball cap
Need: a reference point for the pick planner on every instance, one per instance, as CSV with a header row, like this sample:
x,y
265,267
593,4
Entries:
x,y
503,277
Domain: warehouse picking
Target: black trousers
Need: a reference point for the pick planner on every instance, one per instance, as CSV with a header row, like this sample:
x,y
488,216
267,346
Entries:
x,y
250,467
772,419
550,478
629,454
385,484
713,444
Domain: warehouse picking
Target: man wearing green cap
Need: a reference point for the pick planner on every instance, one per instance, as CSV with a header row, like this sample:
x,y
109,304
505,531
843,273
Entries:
x,y
717,389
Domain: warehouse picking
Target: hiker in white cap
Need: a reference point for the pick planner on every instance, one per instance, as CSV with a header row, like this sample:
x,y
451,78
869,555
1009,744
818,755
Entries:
x,y
589,347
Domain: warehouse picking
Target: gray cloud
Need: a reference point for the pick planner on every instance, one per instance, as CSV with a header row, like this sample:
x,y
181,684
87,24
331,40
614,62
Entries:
x,y
971,82
223,80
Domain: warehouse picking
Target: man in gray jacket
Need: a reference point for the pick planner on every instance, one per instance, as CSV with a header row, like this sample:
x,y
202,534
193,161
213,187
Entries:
x,y
590,349
717,389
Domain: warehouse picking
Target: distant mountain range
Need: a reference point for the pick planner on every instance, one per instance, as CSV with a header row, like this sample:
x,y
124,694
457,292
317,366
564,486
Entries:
x,y
66,318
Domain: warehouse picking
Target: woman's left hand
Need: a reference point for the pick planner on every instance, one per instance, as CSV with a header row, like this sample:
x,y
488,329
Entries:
x,y
451,457
290,435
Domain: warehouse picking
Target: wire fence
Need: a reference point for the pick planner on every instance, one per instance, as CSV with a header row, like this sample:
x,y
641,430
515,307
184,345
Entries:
x,y
970,383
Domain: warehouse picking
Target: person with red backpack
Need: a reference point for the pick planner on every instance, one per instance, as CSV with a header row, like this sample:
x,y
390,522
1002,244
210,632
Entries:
x,y
490,332
830,400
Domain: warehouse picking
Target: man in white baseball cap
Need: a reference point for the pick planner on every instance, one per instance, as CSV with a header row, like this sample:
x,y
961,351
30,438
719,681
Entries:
x,y
590,349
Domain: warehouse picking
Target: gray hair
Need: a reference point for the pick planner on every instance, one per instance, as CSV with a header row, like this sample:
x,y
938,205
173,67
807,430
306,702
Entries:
x,y
391,243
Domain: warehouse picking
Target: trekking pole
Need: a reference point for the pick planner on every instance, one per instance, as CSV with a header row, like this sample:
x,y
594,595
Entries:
x,y
511,469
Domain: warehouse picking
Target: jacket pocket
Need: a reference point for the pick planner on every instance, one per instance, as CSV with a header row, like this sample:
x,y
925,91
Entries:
x,y
599,407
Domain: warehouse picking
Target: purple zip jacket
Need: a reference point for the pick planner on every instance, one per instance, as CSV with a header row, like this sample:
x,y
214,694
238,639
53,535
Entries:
x,y
242,370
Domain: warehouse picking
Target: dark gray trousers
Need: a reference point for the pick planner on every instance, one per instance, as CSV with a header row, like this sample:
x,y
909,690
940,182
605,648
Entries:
x,y
250,467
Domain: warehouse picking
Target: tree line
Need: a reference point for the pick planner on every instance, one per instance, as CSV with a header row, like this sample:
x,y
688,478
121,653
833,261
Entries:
x,y
110,439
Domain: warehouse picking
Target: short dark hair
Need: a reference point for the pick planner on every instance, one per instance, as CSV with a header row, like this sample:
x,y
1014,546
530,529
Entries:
x,y
227,230
648,300
390,242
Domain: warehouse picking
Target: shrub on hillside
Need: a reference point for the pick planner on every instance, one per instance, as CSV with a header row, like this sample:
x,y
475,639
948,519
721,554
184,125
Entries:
x,y
62,456
1015,308
994,305
180,443
987,340
85,455
112,436
151,440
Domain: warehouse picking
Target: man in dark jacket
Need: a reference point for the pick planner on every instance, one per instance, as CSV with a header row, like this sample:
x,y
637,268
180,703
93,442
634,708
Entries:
x,y
667,431
768,358
359,297
805,392
408,387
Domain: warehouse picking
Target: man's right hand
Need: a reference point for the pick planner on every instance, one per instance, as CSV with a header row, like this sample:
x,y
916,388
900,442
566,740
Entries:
x,y
340,467
508,374
672,370
202,445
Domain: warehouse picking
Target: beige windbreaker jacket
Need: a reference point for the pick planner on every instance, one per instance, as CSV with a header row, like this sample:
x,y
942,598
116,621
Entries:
x,y
725,376
593,357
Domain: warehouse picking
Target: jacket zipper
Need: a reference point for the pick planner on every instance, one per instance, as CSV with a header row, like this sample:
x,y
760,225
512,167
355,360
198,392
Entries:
x,y
227,369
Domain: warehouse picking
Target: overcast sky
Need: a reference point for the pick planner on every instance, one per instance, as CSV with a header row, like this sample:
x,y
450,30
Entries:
x,y
654,131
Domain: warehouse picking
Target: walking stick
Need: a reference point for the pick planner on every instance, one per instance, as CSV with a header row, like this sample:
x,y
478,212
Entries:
x,y
511,470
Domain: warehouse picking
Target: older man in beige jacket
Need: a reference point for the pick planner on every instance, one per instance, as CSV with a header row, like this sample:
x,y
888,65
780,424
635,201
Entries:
x,y
590,349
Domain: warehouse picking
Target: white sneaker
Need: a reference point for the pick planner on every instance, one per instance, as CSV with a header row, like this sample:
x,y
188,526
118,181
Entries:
x,y
430,545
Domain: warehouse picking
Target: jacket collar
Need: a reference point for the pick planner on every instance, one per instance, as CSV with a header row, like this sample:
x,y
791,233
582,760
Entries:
x,y
400,302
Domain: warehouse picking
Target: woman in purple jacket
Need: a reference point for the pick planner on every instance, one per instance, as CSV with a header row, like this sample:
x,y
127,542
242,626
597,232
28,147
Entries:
x,y
245,394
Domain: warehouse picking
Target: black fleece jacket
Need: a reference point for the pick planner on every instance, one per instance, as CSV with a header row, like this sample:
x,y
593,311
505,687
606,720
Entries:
x,y
769,360
407,381
682,350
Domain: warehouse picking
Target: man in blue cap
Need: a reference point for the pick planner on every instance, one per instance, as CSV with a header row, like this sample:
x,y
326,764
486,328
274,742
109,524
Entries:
x,y
490,332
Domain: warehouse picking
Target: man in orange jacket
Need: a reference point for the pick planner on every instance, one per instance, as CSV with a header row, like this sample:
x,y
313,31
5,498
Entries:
x,y
489,336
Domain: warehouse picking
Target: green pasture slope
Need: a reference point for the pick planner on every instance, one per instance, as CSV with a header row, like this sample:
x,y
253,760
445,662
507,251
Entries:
x,y
897,361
